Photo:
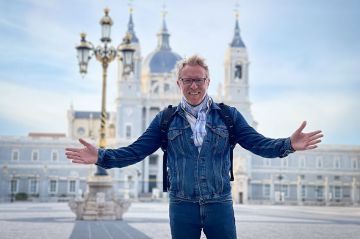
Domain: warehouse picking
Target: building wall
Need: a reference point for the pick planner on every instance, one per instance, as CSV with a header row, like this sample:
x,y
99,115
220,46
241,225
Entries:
x,y
329,175
32,176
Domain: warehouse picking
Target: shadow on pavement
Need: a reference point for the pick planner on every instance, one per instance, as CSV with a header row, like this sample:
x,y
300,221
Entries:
x,y
105,229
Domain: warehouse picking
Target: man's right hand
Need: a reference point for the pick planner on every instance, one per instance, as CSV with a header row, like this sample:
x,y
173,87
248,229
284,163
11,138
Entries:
x,y
85,155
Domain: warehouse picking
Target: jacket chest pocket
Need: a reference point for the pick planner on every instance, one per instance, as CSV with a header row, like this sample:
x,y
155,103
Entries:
x,y
220,137
176,140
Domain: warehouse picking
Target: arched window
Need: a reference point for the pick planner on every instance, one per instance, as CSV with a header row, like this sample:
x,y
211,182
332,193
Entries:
x,y
238,72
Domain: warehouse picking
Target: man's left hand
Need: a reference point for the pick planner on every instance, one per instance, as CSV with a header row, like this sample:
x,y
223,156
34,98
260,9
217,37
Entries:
x,y
305,141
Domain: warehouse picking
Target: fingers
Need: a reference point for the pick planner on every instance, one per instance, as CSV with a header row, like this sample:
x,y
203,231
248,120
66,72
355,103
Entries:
x,y
314,137
314,142
78,161
302,126
314,133
73,156
311,147
73,149
83,142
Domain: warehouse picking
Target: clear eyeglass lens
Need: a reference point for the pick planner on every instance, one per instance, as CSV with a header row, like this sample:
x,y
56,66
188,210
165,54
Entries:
x,y
198,81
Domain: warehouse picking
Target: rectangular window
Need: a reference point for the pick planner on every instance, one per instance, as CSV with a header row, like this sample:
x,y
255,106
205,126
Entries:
x,y
53,186
72,186
354,163
266,190
152,182
319,162
336,178
319,177
35,155
128,131
54,155
14,185
33,186
285,190
302,161
15,155
320,192
153,159
303,191
285,162
337,163
267,162
337,191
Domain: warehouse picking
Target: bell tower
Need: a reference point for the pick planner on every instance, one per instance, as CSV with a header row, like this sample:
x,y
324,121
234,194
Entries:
x,y
128,101
236,84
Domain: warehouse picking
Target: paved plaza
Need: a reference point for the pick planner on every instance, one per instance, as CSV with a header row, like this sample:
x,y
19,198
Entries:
x,y
150,220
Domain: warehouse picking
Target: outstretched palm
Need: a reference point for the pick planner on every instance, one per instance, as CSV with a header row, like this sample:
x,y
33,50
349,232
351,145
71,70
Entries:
x,y
305,141
86,155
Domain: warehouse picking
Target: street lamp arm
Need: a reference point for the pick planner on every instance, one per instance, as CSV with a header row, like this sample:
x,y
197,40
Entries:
x,y
105,52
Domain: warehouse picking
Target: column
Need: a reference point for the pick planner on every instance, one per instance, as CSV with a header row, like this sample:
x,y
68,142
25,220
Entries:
x,y
272,189
326,190
354,193
299,190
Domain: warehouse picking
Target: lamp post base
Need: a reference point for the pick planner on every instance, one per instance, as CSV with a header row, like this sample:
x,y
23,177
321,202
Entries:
x,y
100,202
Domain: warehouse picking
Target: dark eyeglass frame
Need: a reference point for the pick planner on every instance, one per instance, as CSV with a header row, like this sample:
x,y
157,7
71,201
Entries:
x,y
190,81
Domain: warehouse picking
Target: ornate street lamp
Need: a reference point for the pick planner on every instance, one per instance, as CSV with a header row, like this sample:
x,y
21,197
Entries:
x,y
100,201
127,53
104,53
83,54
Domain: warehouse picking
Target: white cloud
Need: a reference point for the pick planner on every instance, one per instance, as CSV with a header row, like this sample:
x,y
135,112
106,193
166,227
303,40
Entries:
x,y
41,110
334,114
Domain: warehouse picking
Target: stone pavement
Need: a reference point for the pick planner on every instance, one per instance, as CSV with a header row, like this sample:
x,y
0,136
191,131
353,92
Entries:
x,y
150,220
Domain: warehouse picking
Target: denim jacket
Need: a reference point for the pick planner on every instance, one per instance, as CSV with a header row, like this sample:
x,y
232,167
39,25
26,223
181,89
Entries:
x,y
193,175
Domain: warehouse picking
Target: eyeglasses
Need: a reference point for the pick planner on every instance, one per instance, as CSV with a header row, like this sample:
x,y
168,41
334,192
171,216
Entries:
x,y
197,81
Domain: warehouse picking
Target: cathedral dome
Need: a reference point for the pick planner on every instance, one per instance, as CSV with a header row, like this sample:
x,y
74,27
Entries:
x,y
162,59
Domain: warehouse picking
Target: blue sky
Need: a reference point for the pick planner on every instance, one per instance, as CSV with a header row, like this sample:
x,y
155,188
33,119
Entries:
x,y
305,58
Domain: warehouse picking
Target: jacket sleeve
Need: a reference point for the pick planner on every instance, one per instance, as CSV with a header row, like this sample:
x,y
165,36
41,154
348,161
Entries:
x,y
145,145
258,144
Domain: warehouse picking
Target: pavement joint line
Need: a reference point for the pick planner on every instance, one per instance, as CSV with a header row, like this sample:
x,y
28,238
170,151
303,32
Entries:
x,y
107,232
126,234
89,230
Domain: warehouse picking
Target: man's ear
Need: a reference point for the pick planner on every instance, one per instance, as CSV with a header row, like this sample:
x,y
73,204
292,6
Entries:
x,y
177,82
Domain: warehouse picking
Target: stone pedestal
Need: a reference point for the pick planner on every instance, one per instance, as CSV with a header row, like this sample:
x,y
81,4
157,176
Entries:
x,y
100,202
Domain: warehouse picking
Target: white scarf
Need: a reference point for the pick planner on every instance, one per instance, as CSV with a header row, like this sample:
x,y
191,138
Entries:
x,y
196,115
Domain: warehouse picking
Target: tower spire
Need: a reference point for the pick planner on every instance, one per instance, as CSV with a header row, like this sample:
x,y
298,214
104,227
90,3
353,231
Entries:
x,y
130,28
163,35
237,41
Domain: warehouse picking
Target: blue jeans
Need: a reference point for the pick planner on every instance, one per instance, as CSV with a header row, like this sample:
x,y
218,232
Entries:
x,y
187,219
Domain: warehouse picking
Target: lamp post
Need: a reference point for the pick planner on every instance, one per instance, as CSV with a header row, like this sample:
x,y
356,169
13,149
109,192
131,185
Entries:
x,y
100,201
104,53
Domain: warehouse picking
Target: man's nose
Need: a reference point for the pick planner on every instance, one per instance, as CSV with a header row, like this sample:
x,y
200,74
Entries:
x,y
193,85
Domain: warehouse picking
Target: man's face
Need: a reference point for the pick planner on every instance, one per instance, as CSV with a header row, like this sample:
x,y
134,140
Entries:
x,y
193,83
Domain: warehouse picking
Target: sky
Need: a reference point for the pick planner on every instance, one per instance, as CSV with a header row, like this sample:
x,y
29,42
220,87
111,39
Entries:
x,y
304,58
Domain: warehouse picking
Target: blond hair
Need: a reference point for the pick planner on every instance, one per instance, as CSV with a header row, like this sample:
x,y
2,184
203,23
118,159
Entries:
x,y
194,60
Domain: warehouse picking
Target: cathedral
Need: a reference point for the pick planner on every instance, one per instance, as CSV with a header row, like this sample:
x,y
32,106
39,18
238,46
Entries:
x,y
36,165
